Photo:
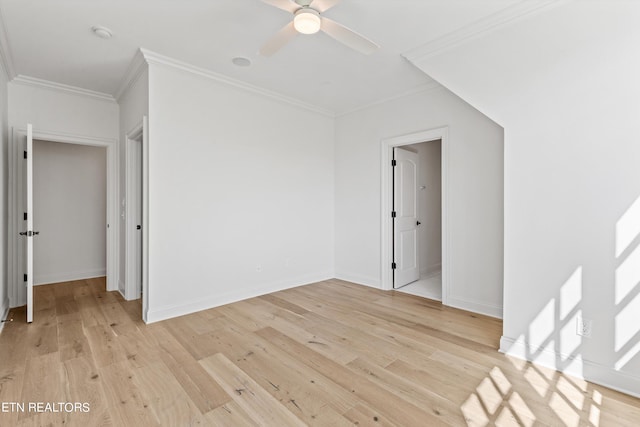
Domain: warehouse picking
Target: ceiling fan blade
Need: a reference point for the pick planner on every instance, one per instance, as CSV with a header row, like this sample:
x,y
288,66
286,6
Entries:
x,y
348,37
278,40
324,5
286,5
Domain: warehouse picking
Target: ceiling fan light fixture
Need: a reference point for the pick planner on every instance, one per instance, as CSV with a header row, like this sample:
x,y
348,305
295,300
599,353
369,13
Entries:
x,y
307,21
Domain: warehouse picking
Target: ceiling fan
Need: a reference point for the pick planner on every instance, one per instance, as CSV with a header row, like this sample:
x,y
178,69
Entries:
x,y
307,19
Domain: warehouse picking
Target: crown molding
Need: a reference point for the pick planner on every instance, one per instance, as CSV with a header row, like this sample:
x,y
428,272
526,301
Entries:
x,y
6,59
60,87
155,58
424,88
480,28
136,68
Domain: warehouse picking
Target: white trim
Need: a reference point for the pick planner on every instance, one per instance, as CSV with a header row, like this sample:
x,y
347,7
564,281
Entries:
x,y
5,50
46,279
145,218
130,293
4,312
386,154
424,88
136,68
63,88
474,306
157,59
170,311
14,245
480,28
574,365
373,282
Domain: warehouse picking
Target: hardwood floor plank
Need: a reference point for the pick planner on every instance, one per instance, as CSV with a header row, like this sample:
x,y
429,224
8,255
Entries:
x,y
169,402
44,381
420,396
83,385
252,398
127,403
314,398
199,386
105,348
388,403
364,416
72,341
230,414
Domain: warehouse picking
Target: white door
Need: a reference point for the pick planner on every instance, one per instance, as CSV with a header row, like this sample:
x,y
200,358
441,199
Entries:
x,y
29,233
405,222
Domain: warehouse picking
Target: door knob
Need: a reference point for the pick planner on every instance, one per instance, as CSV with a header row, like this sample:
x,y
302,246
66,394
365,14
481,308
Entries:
x,y
138,227
418,223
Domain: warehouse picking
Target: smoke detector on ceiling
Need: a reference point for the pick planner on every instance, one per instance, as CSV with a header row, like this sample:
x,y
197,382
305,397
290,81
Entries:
x,y
102,32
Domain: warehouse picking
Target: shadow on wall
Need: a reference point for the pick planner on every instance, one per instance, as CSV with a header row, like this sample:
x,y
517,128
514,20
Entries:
x,y
529,394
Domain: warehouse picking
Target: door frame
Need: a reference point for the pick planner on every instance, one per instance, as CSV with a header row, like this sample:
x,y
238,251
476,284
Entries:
x,y
386,203
15,200
133,137
139,132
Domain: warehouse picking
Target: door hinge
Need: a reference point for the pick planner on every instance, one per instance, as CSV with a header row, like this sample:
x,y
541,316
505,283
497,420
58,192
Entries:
x,y
393,162
25,277
24,155
393,214
393,266
25,216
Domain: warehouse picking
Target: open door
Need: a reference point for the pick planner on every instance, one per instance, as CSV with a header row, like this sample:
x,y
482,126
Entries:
x,y
28,234
405,221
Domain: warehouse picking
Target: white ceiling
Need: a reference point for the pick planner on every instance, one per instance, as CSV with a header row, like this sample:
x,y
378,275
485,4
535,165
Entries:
x,y
52,40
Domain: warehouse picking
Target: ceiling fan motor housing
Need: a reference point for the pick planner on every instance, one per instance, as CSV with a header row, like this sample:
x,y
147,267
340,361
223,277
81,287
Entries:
x,y
307,20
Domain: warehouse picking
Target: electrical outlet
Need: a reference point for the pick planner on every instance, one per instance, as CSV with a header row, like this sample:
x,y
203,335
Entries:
x,y
583,327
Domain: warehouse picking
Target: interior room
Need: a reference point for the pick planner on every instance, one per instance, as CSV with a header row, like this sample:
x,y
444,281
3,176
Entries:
x,y
320,212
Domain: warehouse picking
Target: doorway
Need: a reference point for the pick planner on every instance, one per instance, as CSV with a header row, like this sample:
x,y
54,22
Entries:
x,y
18,294
417,223
69,212
428,267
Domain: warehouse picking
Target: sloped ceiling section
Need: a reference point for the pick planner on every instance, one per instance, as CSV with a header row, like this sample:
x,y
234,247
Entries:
x,y
52,40
440,58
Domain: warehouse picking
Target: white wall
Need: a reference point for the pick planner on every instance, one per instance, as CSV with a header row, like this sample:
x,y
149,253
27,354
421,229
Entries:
x,y
429,206
70,203
240,193
134,104
4,140
476,154
567,92
52,110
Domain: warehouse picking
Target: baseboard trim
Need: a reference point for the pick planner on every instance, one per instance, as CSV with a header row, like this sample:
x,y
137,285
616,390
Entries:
x,y
359,280
205,303
476,307
577,367
47,279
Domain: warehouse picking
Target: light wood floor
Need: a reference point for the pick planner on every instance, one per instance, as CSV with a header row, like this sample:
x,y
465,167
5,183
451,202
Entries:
x,y
328,354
